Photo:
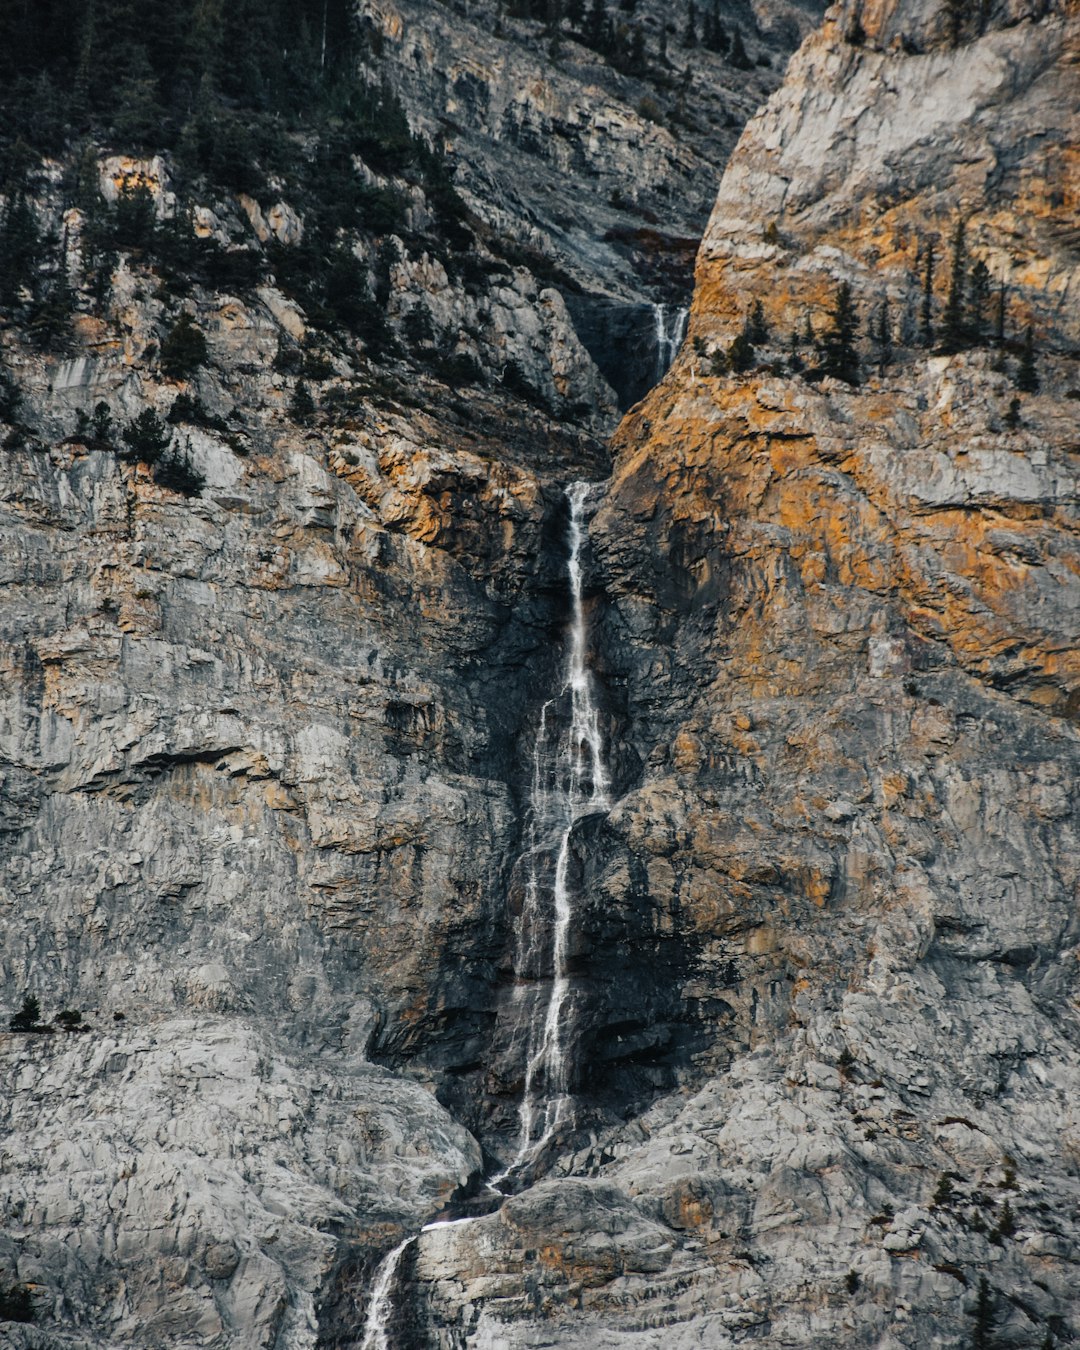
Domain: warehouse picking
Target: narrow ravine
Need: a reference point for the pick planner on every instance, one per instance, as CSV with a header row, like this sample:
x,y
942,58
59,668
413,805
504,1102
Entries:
x,y
569,782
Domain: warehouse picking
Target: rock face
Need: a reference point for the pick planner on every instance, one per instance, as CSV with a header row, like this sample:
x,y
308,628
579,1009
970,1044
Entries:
x,y
839,640
264,756
602,179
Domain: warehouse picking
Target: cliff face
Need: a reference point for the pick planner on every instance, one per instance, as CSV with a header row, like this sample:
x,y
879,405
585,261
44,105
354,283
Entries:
x,y
840,642
266,758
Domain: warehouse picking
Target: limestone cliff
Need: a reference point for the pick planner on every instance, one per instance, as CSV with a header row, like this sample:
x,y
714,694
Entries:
x,y
264,753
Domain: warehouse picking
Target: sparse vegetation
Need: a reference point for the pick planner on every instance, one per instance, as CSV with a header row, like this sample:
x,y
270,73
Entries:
x,y
983,1313
28,1018
16,1304
147,438
836,347
183,350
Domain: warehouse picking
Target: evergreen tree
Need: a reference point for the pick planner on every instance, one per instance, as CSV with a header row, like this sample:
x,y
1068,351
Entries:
x,y
737,54
999,326
637,61
135,220
926,317
302,405
978,301
183,350
596,26
690,32
20,248
147,438
174,470
10,397
757,329
983,1314
953,325
713,33
740,355
1027,375
50,319
837,345
883,336
28,1018
575,14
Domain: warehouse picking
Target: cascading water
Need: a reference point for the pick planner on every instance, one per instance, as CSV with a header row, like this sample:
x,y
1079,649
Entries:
x,y
381,1306
569,781
670,330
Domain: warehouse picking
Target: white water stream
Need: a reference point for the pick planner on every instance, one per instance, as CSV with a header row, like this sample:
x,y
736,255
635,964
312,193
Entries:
x,y
670,322
376,1324
569,781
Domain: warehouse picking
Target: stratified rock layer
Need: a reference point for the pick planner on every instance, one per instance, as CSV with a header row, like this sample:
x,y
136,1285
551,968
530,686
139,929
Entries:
x,y
841,638
264,753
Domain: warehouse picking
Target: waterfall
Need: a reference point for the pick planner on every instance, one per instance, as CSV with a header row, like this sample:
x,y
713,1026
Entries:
x,y
569,781
670,329
376,1324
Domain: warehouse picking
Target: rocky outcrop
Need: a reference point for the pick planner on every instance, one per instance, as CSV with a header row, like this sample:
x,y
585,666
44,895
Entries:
x,y
598,177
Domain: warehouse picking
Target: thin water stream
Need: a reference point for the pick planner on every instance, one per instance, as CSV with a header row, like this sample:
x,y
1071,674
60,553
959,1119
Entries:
x,y
569,782
670,330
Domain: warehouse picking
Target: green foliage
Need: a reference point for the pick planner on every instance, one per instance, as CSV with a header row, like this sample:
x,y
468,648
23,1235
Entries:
x,y
70,1019
301,405
1027,374
690,31
836,347
714,36
851,1281
50,317
28,1018
978,301
101,423
757,329
737,54
954,331
21,248
183,349
983,1313
188,408
174,470
10,397
460,368
134,220
945,1193
1012,417
882,335
740,355
1006,1224
926,311
147,438
418,327
16,1304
